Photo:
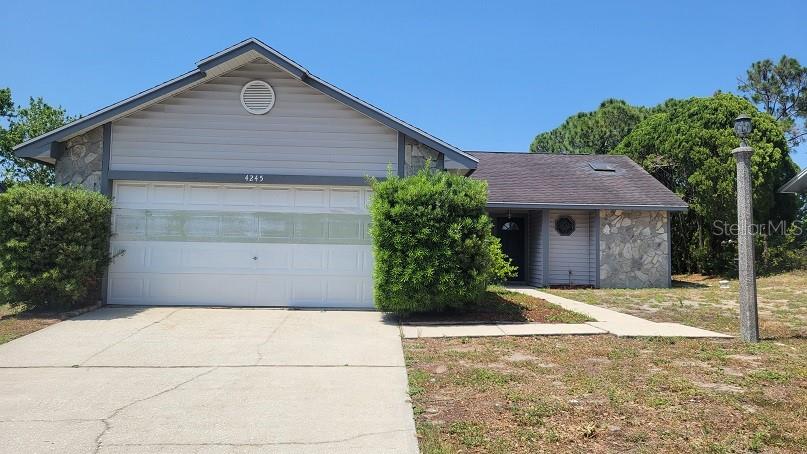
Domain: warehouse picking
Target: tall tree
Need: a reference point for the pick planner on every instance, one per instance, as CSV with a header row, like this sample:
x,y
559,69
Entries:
x,y
687,146
596,132
21,124
780,89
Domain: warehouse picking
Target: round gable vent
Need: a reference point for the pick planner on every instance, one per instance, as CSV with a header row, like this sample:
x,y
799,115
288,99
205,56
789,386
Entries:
x,y
257,97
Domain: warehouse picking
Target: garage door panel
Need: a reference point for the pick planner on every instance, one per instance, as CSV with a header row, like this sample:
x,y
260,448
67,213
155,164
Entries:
x,y
168,193
129,255
241,197
222,226
367,293
165,258
310,198
209,288
346,198
343,292
274,258
204,195
273,291
275,197
238,258
231,244
307,292
200,257
131,193
346,260
308,259
126,288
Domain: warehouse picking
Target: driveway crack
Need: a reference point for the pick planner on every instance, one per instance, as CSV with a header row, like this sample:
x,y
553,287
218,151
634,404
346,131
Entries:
x,y
107,423
135,332
259,348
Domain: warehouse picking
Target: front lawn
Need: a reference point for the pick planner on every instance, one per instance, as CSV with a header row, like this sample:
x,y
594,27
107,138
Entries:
x,y
609,394
699,301
501,305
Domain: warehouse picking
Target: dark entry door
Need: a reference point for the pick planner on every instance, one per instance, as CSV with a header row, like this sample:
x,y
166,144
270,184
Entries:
x,y
510,231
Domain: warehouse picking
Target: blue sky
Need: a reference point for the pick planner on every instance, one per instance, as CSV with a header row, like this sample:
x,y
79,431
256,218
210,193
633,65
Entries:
x,y
481,75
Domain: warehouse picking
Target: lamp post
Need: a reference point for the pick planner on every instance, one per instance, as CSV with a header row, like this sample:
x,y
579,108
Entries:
x,y
749,326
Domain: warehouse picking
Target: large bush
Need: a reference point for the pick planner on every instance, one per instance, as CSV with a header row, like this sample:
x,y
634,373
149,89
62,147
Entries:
x,y
54,245
687,146
433,242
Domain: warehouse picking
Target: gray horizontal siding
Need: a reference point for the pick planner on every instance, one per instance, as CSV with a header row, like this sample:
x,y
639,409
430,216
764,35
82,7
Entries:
x,y
535,259
205,129
571,252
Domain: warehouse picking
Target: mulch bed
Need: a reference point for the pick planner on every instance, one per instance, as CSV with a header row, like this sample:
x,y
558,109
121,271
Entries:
x,y
501,306
18,324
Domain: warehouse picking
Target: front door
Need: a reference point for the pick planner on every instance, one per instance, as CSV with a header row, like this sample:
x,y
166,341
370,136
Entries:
x,y
510,231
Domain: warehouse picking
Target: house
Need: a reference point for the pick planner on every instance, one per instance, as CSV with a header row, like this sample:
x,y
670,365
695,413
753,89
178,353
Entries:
x,y
243,182
796,185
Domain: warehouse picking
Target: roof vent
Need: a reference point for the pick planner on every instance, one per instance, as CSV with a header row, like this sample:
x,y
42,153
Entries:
x,y
602,167
257,97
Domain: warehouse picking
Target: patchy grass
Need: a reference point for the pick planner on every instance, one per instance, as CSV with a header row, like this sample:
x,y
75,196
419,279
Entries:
x,y
502,305
699,301
16,322
609,394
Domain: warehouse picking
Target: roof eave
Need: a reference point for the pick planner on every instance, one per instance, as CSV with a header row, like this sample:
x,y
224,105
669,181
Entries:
x,y
34,147
587,206
388,120
796,185
29,148
249,45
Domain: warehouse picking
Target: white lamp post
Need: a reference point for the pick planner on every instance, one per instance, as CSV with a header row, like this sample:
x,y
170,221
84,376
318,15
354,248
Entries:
x,y
749,325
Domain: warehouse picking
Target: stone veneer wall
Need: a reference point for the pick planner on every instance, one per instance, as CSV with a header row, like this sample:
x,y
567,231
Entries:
x,y
80,164
634,250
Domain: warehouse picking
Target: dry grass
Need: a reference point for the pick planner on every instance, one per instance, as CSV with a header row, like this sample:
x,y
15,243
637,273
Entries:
x,y
609,394
15,323
699,301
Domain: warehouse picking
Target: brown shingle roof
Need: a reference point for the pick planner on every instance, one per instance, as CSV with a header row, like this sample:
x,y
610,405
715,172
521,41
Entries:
x,y
569,180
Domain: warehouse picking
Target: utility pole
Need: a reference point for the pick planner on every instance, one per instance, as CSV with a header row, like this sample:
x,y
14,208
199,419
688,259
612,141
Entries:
x,y
749,324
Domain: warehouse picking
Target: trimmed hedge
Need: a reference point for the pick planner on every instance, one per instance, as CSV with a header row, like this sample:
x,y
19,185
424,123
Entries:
x,y
433,242
54,245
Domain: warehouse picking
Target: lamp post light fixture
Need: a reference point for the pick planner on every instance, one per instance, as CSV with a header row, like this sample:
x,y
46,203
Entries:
x,y
749,325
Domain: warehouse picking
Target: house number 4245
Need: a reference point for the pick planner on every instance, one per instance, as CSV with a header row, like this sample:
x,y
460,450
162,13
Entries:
x,y
253,178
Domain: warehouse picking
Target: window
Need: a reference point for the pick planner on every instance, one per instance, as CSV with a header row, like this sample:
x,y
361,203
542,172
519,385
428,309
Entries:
x,y
564,226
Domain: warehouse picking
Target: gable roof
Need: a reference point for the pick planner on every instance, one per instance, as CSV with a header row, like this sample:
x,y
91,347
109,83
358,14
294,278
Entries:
x,y
539,180
796,184
44,148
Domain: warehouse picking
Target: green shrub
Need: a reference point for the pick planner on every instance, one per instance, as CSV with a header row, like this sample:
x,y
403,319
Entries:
x,y
54,245
433,242
780,253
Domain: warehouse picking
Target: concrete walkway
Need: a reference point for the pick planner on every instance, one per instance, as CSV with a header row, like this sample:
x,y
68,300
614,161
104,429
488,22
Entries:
x,y
202,380
607,321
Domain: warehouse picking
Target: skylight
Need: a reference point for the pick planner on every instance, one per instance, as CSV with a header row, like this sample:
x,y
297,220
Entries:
x,y
602,167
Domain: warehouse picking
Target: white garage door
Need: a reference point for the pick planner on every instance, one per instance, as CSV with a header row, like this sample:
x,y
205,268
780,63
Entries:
x,y
240,245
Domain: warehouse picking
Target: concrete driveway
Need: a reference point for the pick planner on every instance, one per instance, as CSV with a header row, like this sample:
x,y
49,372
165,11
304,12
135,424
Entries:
x,y
204,380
